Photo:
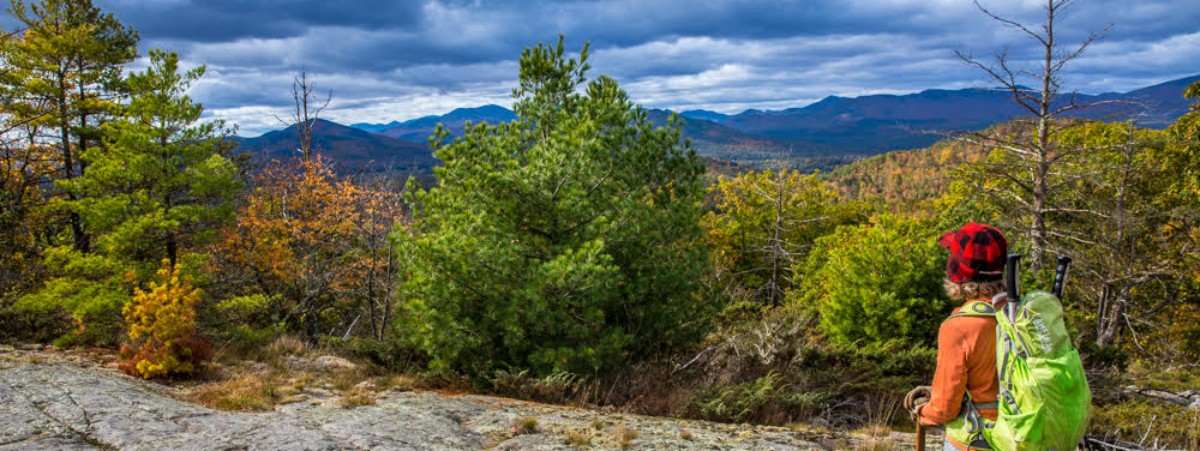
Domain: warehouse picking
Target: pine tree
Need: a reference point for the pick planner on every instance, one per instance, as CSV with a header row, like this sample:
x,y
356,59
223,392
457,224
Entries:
x,y
162,172
156,185
563,241
877,282
63,73
162,328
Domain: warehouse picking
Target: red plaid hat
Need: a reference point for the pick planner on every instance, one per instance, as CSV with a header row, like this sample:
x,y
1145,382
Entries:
x,y
977,253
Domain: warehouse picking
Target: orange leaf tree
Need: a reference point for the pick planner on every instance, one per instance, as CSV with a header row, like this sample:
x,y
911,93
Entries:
x,y
301,240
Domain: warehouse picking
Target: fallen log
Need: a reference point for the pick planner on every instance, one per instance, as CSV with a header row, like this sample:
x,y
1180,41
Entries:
x,y
1189,398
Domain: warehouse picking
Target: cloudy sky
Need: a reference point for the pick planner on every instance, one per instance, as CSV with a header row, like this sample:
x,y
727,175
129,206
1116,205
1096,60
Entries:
x,y
397,60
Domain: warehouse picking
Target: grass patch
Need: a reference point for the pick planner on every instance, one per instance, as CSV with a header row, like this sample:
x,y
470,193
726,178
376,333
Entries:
x,y
880,412
625,436
578,438
357,398
1166,379
285,345
399,382
246,393
524,425
557,388
768,400
875,443
345,380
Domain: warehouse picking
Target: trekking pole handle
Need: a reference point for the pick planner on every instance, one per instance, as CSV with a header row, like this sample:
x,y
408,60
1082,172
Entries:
x,y
1060,275
1011,285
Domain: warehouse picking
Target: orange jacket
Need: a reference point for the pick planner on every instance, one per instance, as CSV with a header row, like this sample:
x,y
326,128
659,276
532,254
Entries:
x,y
966,361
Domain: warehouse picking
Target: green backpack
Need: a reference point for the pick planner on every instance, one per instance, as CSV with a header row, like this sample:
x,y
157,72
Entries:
x,y
1044,401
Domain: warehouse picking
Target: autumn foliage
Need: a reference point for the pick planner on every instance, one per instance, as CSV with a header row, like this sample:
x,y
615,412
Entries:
x,y
311,244
162,329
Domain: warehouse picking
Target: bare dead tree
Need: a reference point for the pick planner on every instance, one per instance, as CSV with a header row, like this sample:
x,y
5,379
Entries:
x,y
381,210
1037,154
782,212
776,248
307,108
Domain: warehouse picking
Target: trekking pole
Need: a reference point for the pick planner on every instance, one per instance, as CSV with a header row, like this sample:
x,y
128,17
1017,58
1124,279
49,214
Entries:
x,y
1011,285
913,400
1060,275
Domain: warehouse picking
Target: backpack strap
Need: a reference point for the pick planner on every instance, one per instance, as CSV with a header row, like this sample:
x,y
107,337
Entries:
x,y
976,308
975,422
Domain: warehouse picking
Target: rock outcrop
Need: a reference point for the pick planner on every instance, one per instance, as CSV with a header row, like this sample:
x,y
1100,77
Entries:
x,y
55,405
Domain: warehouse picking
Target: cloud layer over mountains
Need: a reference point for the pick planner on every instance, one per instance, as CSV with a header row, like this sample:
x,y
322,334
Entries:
x,y
388,60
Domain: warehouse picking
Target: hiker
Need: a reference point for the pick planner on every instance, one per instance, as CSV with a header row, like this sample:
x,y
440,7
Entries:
x,y
966,357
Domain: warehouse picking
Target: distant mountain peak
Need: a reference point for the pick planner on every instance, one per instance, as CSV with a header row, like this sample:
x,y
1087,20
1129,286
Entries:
x,y
494,112
704,115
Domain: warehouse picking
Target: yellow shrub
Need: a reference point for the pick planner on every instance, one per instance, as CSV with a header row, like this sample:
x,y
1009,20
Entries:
x,y
162,329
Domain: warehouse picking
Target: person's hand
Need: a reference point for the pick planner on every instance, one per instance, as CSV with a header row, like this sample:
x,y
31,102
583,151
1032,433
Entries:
x,y
915,399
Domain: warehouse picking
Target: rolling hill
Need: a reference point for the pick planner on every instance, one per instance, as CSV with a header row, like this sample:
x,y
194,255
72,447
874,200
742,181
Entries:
x,y
906,180
347,146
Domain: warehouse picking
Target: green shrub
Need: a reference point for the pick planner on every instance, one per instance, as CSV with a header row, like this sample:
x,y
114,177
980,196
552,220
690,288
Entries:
x,y
94,308
892,367
40,326
244,337
778,369
878,282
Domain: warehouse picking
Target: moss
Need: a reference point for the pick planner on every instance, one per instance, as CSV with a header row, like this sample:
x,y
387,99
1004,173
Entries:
x,y
1147,375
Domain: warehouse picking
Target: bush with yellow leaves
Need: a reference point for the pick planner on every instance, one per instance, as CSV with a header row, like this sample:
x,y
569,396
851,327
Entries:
x,y
162,329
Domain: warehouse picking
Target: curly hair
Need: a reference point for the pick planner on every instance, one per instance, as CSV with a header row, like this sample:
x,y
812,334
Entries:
x,y
972,290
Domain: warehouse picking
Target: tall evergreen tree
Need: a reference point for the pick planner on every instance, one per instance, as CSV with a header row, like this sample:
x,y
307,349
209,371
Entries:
x,y
63,73
877,282
162,171
562,241
160,176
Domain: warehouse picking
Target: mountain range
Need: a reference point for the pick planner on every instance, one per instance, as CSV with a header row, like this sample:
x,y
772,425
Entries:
x,y
833,128
418,130
346,146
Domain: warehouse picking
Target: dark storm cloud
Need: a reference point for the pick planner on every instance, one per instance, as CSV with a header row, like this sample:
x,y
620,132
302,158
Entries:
x,y
224,20
386,60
